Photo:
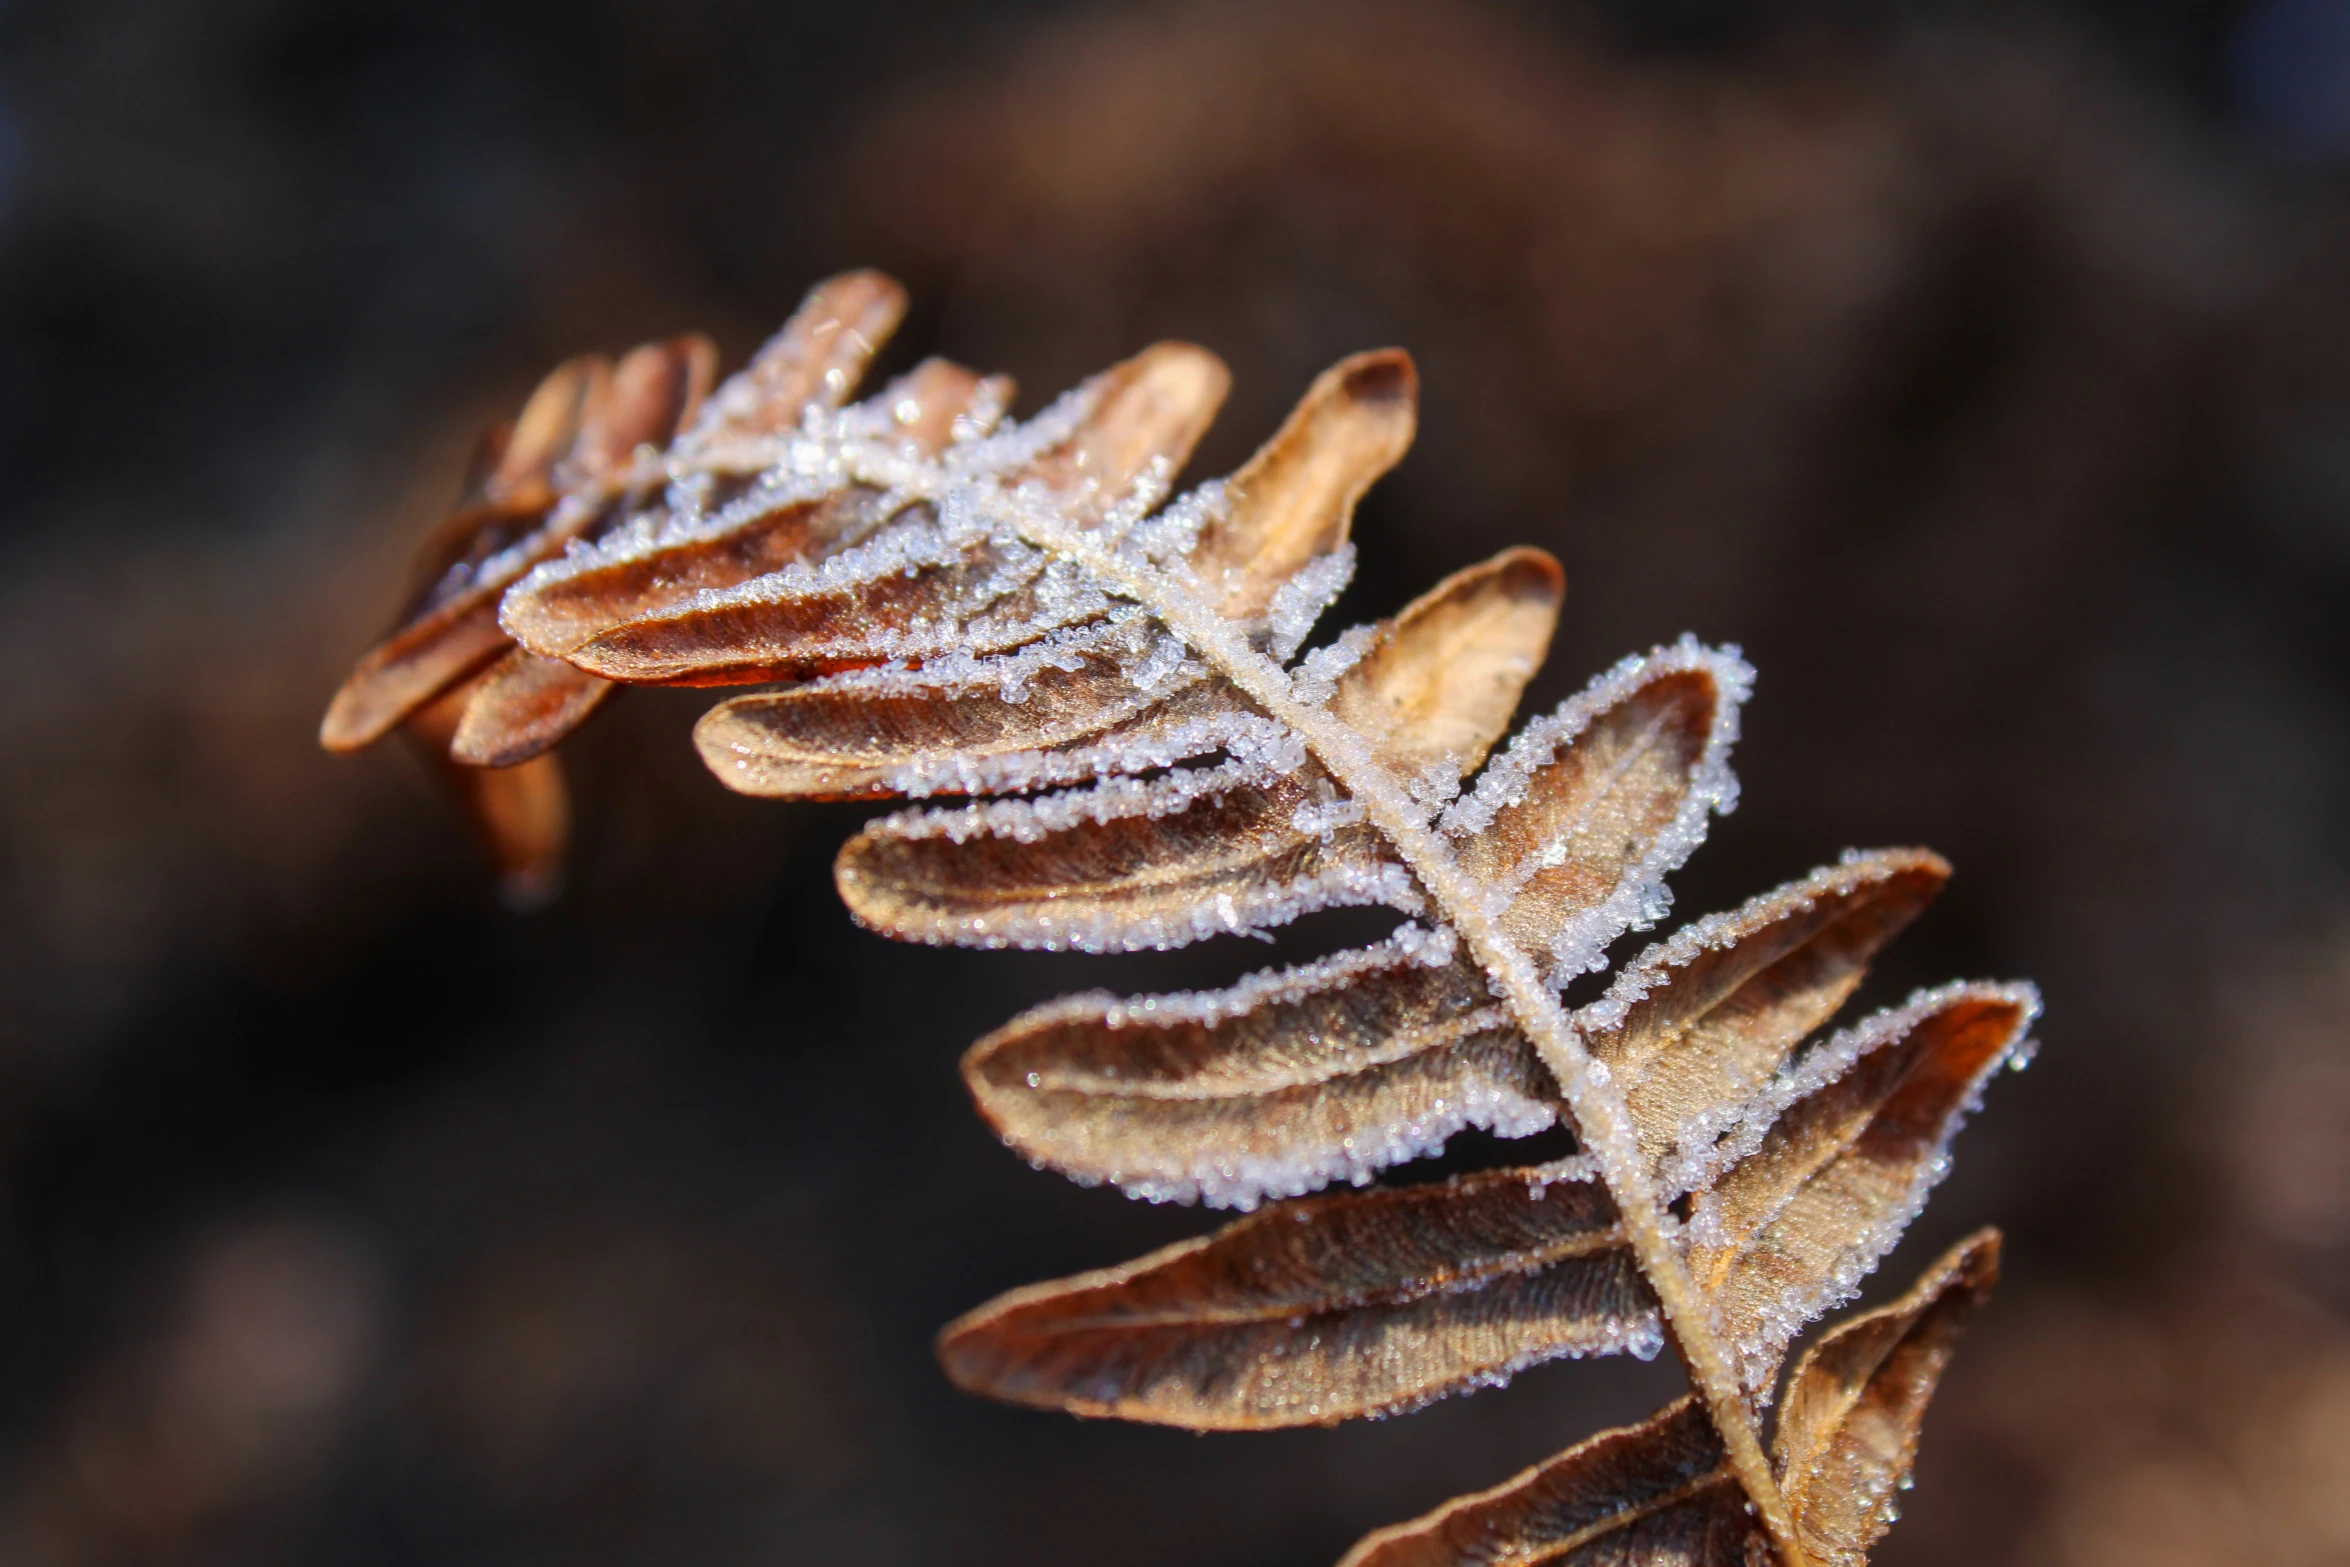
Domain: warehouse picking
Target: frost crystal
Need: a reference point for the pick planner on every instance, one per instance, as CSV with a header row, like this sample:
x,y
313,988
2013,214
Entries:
x,y
1304,596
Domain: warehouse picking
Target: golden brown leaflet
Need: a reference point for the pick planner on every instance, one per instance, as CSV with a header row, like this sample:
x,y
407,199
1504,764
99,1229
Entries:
x,y
1661,1494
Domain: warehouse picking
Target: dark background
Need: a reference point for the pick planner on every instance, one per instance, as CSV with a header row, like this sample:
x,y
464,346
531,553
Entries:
x,y
1984,371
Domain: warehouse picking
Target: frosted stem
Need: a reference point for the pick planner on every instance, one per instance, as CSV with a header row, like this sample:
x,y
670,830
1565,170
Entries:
x,y
1599,1111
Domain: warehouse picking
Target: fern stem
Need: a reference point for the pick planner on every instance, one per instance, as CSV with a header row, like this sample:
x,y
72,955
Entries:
x,y
1599,1111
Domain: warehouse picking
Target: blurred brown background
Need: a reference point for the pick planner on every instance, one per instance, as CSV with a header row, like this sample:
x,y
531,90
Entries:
x,y
1984,371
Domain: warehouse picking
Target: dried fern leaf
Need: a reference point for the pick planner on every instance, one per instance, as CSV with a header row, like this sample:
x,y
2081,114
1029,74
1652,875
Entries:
x,y
1658,1494
1336,1070
520,816
815,361
1696,1025
534,700
1435,686
988,723
1125,865
655,390
1438,687
1580,820
730,529
508,486
1849,1142
449,627
1241,847
1214,1101
557,480
1662,1492
1293,502
564,478
1323,1310
522,706
923,586
1849,1431
531,702
876,733
1857,1133
409,669
1278,1086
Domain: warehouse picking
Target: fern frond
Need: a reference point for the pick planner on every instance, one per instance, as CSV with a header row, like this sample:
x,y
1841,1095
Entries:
x,y
1024,615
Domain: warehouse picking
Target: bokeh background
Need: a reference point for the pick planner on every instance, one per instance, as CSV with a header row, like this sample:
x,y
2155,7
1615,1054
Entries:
x,y
1983,370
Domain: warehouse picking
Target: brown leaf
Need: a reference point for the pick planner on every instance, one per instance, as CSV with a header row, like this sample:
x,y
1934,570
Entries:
x,y
402,673
574,444
553,612
511,477
1662,1492
1439,685
1658,1494
1588,809
1295,499
1316,1311
1862,1127
1291,503
655,389
1435,688
449,627
1279,1086
1124,866
520,816
521,706
1147,415
1849,1432
1153,410
555,481
546,430
1846,1165
1696,1025
814,362
857,735
1333,1071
